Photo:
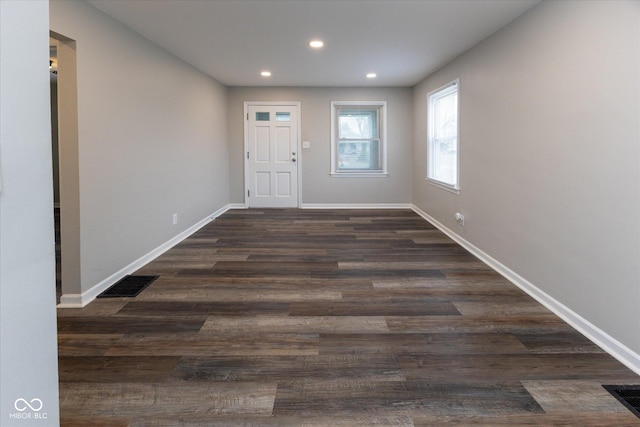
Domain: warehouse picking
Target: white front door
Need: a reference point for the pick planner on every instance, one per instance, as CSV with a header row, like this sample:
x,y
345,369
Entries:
x,y
272,156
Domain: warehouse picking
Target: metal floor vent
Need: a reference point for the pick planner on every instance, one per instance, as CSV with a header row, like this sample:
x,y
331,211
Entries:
x,y
128,286
628,395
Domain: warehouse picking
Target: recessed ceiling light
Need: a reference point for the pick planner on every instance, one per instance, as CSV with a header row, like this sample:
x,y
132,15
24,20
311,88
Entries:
x,y
316,44
265,73
371,75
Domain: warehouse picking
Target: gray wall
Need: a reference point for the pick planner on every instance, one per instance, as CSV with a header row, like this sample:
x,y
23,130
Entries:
x,y
317,185
550,140
28,345
152,141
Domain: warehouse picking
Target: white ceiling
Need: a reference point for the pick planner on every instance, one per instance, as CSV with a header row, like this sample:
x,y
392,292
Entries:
x,y
403,41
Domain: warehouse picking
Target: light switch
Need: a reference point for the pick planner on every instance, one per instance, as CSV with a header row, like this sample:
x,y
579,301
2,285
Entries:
x,y
306,144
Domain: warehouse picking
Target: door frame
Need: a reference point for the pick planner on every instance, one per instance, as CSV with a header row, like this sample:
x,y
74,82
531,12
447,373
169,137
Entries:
x,y
296,105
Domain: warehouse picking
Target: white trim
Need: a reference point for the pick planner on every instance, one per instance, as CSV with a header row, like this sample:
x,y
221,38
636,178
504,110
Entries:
x,y
245,118
356,206
358,175
81,300
442,186
609,344
237,206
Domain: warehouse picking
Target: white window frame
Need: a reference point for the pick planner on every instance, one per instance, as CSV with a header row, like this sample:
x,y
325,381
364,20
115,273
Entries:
x,y
381,106
432,97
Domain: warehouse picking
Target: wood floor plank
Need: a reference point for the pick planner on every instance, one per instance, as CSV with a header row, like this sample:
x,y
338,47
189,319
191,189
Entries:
x,y
515,367
76,421
274,344
525,323
277,421
421,344
498,306
296,325
465,297
212,294
128,325
86,344
100,369
557,397
139,399
338,368
568,419
571,342
359,308
99,307
402,397
452,287
425,264
185,308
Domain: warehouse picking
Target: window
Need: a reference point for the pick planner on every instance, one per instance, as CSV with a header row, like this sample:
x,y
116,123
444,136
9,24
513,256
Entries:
x,y
442,136
358,141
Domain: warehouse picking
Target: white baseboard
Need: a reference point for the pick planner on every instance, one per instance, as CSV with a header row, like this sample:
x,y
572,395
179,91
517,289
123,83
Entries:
x,y
609,344
81,300
71,301
236,206
356,206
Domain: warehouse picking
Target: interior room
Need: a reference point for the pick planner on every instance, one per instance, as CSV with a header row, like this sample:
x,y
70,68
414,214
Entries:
x,y
140,151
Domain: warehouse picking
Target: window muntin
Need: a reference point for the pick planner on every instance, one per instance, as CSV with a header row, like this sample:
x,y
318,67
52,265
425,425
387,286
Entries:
x,y
358,138
442,136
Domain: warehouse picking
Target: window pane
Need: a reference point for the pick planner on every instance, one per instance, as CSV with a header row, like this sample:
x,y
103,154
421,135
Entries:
x,y
262,116
357,124
358,155
446,117
445,154
283,117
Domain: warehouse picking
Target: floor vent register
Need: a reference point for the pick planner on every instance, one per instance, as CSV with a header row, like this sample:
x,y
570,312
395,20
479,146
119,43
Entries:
x,y
628,395
128,286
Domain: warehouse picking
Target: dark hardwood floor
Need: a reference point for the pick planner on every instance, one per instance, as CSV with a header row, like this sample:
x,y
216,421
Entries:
x,y
331,318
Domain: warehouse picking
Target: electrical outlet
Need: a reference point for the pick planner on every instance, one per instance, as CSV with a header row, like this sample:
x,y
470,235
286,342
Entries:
x,y
175,219
459,218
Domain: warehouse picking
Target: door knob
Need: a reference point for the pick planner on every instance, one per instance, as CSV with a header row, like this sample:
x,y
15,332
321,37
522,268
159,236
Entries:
x,y
293,160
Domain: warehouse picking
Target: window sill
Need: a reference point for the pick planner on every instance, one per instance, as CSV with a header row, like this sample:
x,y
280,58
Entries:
x,y
359,174
442,186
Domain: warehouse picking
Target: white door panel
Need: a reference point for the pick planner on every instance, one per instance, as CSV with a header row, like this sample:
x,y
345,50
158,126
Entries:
x,y
262,144
283,184
263,184
272,156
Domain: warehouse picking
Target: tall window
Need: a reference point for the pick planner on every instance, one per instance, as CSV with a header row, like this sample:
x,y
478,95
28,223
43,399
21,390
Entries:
x,y
442,136
358,145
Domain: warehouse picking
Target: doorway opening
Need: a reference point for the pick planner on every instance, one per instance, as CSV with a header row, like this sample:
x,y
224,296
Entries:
x,y
53,84
64,128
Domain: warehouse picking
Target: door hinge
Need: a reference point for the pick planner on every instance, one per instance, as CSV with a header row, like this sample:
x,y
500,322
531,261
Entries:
x,y
248,193
247,116
247,155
